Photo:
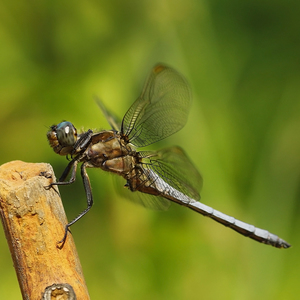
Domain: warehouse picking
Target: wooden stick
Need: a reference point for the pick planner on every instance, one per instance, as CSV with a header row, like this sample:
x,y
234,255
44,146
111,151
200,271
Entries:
x,y
33,219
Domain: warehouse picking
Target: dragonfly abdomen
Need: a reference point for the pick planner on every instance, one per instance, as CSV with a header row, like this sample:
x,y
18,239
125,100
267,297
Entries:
x,y
260,235
257,234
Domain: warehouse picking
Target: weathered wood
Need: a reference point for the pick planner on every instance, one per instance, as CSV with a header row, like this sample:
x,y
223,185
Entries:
x,y
33,219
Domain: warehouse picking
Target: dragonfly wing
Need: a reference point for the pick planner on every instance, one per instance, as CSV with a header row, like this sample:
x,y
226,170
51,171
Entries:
x,y
161,110
112,120
149,201
146,200
172,167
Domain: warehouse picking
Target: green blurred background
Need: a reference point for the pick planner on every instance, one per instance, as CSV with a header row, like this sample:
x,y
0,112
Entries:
x,y
241,59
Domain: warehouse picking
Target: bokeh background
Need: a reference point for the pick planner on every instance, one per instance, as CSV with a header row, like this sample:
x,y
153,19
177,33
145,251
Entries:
x,y
241,59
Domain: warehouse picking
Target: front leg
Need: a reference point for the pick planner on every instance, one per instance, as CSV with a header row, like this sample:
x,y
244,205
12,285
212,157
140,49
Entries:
x,y
83,142
71,166
89,198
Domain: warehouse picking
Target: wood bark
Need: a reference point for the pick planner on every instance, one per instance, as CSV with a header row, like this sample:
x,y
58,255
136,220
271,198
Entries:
x,y
33,219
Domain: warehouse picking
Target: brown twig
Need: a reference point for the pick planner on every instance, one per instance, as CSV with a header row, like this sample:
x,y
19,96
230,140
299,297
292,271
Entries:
x,y
33,219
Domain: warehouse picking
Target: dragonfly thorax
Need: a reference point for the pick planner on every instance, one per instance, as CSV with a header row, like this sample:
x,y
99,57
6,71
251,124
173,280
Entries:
x,y
109,152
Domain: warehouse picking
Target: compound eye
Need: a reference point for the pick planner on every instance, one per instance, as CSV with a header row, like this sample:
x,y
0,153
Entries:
x,y
66,134
62,138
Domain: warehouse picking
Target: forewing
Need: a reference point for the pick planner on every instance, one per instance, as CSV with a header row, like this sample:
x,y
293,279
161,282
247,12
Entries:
x,y
174,167
112,120
161,110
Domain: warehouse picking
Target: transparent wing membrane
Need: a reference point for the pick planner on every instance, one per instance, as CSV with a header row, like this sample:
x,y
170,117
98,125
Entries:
x,y
146,200
161,110
174,167
111,118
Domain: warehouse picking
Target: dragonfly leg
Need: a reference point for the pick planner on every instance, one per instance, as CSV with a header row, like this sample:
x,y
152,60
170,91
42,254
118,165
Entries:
x,y
89,197
71,166
66,172
83,142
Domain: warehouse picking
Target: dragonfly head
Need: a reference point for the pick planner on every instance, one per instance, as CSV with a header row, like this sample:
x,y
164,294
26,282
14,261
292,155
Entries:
x,y
62,137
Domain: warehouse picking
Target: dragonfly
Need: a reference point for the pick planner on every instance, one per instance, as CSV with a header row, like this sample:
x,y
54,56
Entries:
x,y
158,177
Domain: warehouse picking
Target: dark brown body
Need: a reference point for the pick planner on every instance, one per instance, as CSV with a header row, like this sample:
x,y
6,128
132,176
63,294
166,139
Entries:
x,y
109,152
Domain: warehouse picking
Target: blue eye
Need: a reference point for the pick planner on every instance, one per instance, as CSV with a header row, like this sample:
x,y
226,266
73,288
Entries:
x,y
66,134
62,137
